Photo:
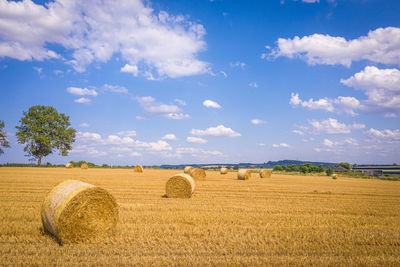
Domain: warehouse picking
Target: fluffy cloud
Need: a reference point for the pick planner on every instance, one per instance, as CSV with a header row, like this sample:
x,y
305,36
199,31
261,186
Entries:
x,y
342,104
82,100
87,136
131,133
384,134
381,46
284,145
254,84
211,104
130,69
258,121
198,140
81,91
220,130
115,88
96,30
169,137
332,126
382,86
298,132
153,108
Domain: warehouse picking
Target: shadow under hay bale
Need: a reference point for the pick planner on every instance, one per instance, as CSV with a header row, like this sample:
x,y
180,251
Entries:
x,y
198,174
84,166
188,169
75,211
138,168
180,186
224,170
265,174
244,174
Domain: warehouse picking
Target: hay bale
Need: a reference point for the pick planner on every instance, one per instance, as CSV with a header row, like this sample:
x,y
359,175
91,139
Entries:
x,y
265,174
224,170
198,174
69,165
188,169
335,176
75,211
138,168
244,174
84,166
180,186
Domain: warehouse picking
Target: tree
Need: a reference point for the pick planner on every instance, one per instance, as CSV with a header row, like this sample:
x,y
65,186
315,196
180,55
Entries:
x,y
278,168
306,167
3,138
44,130
344,165
292,168
329,171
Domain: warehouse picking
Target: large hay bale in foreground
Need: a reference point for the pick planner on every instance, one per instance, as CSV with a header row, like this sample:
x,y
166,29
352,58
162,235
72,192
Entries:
x,y
198,174
75,211
138,168
265,174
84,166
188,169
244,174
69,165
180,186
224,170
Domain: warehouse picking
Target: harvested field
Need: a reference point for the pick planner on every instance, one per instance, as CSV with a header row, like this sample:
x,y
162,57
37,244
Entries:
x,y
285,220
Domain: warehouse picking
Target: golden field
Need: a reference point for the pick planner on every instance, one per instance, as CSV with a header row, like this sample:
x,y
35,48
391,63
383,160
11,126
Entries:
x,y
283,220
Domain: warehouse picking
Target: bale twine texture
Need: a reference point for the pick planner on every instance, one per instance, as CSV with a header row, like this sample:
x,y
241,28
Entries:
x,y
84,166
75,212
198,174
69,165
244,174
180,186
138,168
265,174
188,169
224,170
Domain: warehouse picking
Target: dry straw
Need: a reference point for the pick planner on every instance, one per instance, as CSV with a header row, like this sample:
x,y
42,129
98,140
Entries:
x,y
335,176
75,211
84,166
265,174
180,186
138,168
224,170
244,174
69,165
188,169
198,174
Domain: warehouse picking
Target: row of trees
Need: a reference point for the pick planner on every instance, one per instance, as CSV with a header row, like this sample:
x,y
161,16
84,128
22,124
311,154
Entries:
x,y
42,130
303,168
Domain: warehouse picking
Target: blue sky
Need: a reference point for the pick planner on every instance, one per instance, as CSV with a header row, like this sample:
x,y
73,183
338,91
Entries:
x,y
170,82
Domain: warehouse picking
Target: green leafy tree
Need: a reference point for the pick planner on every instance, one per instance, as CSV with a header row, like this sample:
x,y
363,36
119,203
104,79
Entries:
x,y
44,130
320,168
278,168
306,167
329,171
3,138
344,165
292,168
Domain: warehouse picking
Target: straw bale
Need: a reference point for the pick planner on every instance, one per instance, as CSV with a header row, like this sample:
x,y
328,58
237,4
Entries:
x,y
224,170
244,174
84,166
265,174
198,174
75,211
335,176
138,168
180,186
188,169
69,165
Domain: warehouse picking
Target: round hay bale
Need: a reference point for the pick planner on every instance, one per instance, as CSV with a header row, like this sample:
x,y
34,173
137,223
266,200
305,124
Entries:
x,y
180,186
188,169
84,166
244,174
75,212
69,165
335,176
198,174
224,170
138,168
265,174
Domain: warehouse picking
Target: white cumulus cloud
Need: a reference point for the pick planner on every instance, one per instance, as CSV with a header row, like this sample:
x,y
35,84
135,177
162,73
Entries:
x,y
198,140
211,104
82,100
333,126
169,137
153,108
284,145
220,130
258,121
81,91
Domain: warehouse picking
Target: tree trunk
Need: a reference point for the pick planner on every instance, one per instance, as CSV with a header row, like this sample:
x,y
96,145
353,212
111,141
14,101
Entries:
x,y
39,160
